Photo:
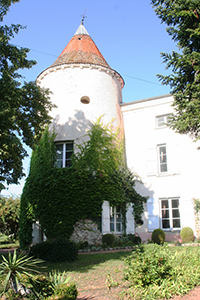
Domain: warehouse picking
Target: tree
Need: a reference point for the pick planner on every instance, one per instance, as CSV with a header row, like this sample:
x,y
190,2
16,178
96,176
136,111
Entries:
x,y
24,107
183,20
9,216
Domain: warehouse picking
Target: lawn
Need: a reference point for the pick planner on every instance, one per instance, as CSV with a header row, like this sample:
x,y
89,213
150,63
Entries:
x,y
95,274
100,275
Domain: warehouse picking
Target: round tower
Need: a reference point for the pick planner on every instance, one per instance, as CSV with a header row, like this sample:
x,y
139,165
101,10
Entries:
x,y
83,87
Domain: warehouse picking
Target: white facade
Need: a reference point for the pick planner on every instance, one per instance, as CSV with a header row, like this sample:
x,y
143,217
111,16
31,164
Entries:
x,y
85,89
71,83
171,179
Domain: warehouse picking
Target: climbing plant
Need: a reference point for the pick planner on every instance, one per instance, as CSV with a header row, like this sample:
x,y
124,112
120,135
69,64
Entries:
x,y
59,197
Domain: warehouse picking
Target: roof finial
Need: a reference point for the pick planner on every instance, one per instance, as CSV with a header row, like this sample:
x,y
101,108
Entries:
x,y
83,16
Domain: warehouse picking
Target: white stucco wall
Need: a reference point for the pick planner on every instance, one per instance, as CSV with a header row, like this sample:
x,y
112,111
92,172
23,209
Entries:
x,y
68,83
183,158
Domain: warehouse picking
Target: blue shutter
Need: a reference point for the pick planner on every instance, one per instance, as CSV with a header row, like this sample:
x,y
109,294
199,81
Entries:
x,y
153,214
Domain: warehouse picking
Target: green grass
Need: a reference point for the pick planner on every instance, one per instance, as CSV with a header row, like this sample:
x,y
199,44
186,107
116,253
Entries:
x,y
101,274
92,273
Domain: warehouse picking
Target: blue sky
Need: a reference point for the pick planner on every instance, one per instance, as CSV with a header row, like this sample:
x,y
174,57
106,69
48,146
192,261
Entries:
x,y
128,34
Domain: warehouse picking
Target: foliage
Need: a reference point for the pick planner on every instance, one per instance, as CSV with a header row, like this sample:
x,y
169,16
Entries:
x,y
42,160
65,292
61,197
54,286
158,236
187,235
156,272
147,267
183,20
7,242
196,205
24,107
58,250
42,286
14,267
108,239
9,216
127,240
57,278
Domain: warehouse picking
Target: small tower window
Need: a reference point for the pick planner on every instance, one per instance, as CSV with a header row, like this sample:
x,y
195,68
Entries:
x,y
85,100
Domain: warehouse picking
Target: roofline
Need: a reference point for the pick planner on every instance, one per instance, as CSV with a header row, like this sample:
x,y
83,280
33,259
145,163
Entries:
x,y
146,99
86,64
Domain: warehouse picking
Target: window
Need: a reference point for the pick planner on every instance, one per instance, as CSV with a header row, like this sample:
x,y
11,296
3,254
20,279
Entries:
x,y
85,100
170,214
63,154
162,153
161,121
115,219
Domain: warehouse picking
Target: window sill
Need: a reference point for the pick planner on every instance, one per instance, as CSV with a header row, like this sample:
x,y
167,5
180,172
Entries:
x,y
161,127
163,174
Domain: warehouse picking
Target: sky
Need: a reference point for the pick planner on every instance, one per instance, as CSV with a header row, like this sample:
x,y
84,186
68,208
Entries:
x,y
128,34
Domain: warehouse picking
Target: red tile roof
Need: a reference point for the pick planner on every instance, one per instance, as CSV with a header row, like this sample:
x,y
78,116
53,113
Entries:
x,y
81,49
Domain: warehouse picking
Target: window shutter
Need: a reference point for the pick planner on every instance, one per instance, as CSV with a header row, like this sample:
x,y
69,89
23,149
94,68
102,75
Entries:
x,y
130,225
173,159
151,158
105,217
153,214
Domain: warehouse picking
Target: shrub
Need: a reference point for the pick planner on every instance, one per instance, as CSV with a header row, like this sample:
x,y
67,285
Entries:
x,y
129,244
137,240
127,240
58,278
158,236
83,245
187,235
42,286
65,292
147,266
41,250
156,272
14,268
108,239
59,250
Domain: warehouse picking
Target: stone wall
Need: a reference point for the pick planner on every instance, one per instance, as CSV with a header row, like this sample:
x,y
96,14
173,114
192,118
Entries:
x,y
86,230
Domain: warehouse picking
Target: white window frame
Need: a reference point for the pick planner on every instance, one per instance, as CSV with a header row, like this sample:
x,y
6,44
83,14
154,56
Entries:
x,y
64,159
114,220
170,217
162,159
162,123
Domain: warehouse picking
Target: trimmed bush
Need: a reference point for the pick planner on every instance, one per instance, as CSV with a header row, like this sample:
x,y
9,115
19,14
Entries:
x,y
59,250
158,236
187,235
108,239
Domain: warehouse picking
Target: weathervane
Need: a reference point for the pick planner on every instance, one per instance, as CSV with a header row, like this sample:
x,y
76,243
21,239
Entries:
x,y
83,16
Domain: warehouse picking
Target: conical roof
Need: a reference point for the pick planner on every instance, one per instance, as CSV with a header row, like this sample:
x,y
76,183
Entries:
x,y
81,49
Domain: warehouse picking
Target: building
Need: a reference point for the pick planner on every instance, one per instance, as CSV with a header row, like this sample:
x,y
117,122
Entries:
x,y
167,163
84,87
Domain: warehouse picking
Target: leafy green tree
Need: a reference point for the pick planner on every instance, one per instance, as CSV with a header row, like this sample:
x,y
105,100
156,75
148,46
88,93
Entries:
x,y
9,216
183,20
24,107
